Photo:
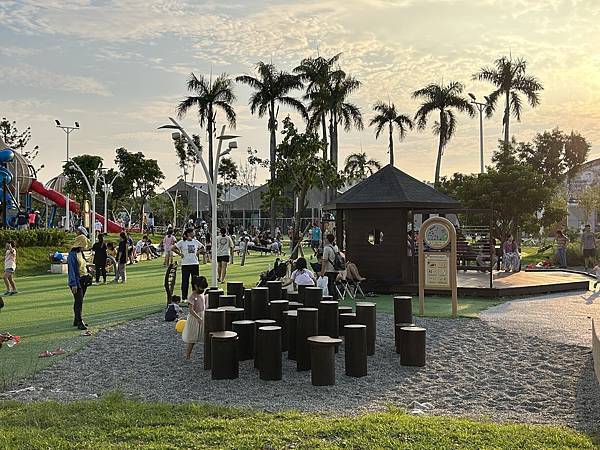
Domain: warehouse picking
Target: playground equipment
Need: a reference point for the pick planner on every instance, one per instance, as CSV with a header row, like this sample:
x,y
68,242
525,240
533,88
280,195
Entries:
x,y
25,182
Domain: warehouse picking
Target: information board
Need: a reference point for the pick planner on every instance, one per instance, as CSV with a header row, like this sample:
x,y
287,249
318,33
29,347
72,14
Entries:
x,y
437,270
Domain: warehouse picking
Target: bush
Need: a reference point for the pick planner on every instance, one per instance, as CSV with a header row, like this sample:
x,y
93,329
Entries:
x,y
34,238
574,255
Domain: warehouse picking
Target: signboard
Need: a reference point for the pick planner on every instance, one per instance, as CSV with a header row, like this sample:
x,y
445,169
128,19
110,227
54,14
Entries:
x,y
437,260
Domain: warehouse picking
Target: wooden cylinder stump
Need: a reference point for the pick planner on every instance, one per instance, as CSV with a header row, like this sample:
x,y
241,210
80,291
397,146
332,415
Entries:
x,y
247,303
224,359
214,320
269,342
277,309
227,300
398,334
412,346
284,294
292,297
327,298
347,319
403,309
259,303
275,290
322,360
301,290
245,330
213,297
328,319
342,310
307,326
355,350
231,315
366,314
236,288
312,296
294,305
259,323
291,321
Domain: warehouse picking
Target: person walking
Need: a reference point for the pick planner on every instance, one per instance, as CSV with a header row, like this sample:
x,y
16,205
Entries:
x,y
188,248
10,265
78,282
331,262
100,257
588,247
194,325
225,248
122,255
167,243
562,242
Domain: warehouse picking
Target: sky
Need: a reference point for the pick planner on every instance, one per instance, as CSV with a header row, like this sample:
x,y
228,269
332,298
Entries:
x,y
119,68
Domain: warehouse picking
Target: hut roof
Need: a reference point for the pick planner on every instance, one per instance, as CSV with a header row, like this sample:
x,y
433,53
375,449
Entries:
x,y
392,188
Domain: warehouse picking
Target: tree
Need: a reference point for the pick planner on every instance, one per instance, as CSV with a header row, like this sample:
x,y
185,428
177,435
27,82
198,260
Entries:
x,y
387,115
359,166
443,100
272,88
76,185
142,176
510,79
18,140
186,155
209,96
589,200
299,168
248,171
318,74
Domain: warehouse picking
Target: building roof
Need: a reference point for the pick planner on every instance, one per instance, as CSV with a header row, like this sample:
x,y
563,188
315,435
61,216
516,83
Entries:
x,y
392,188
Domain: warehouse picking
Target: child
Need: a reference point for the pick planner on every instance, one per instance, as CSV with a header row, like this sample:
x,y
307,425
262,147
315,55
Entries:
x,y
174,311
194,326
168,242
10,264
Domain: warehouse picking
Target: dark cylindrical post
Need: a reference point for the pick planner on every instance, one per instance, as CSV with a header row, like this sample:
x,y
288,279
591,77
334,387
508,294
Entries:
x,y
292,297
257,346
224,359
412,346
328,319
270,367
294,305
403,309
347,319
236,288
291,321
227,300
312,296
366,315
327,298
213,297
398,334
275,290
232,314
214,320
259,305
307,326
247,304
276,309
301,289
322,360
342,310
355,350
245,331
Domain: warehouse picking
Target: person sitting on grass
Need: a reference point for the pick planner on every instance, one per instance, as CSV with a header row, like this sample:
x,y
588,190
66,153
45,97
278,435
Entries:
x,y
10,265
194,325
301,276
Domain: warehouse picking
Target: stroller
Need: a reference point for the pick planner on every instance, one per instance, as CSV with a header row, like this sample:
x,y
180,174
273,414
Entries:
x,y
278,271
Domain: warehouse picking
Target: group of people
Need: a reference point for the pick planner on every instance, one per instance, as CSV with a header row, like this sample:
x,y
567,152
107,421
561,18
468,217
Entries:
x,y
28,219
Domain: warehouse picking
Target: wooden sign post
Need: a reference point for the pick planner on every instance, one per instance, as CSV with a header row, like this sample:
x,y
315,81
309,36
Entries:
x,y
437,260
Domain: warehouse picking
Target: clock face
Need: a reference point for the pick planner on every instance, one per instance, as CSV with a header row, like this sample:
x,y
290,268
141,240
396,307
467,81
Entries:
x,y
436,236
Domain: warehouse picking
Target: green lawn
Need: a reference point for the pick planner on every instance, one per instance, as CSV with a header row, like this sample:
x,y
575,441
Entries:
x,y
116,423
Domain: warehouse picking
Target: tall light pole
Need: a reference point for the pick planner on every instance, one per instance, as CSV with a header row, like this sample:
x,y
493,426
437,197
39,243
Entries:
x,y
211,180
68,130
92,191
480,107
174,203
106,188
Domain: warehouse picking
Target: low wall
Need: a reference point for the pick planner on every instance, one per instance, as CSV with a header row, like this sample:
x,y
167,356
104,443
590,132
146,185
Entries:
x,y
596,349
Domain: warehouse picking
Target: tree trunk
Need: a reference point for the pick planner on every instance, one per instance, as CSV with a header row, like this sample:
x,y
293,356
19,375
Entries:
x,y
391,146
507,119
297,223
324,137
332,156
438,163
210,128
272,147
142,201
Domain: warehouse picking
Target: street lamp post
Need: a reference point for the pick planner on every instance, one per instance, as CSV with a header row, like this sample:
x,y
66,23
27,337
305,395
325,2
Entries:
x,y
106,188
480,107
92,192
174,202
68,130
211,181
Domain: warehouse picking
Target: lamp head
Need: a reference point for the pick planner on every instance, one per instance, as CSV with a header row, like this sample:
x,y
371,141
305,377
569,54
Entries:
x,y
76,124
57,122
176,135
232,145
472,96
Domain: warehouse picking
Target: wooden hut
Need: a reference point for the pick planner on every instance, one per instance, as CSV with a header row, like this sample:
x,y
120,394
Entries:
x,y
372,223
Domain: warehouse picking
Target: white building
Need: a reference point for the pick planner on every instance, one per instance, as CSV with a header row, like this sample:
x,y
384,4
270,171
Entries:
x,y
588,175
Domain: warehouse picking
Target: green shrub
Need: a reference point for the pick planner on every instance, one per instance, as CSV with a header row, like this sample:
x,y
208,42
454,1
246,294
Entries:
x,y
34,238
574,255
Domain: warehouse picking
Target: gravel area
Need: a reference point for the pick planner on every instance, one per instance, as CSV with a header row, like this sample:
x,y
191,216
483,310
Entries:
x,y
473,369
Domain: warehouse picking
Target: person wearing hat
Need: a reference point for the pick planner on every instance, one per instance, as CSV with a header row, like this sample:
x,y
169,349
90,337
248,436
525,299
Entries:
x,y
79,279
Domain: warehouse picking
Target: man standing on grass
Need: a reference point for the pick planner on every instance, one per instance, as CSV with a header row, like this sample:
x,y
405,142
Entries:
x,y
330,264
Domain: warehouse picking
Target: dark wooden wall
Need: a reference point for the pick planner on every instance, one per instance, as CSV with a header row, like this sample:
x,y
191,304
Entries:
x,y
386,266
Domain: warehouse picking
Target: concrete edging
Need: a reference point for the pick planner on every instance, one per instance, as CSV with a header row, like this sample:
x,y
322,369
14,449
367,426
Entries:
x,y
596,350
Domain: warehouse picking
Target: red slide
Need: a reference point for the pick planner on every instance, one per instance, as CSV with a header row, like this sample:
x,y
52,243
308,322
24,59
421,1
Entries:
x,y
61,201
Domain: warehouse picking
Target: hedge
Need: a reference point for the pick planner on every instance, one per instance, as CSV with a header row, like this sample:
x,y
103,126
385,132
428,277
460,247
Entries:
x,y
34,238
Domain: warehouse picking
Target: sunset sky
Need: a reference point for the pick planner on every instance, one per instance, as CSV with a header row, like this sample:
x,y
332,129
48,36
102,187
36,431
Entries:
x,y
119,67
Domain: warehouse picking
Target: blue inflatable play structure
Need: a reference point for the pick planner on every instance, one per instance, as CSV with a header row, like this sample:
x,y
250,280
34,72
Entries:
x,y
7,155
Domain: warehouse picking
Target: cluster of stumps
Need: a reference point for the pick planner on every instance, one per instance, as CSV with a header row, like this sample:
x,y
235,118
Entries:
x,y
245,324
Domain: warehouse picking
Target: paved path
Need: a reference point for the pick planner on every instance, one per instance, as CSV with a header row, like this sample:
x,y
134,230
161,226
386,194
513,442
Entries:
x,y
561,317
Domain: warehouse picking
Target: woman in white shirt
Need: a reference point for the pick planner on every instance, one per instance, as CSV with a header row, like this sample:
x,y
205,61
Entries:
x,y
225,246
189,249
301,276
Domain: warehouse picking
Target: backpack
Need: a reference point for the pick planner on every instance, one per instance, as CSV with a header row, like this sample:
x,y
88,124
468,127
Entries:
x,y
170,313
339,262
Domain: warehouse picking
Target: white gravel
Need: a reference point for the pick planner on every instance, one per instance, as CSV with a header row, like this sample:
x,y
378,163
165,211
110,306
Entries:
x,y
473,369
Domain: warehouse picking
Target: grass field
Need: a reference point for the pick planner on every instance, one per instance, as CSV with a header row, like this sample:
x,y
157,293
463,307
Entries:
x,y
116,423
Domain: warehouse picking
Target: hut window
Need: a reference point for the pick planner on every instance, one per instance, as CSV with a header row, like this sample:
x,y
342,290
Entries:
x,y
375,237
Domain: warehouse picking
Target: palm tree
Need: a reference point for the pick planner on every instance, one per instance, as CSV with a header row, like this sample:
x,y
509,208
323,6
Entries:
x,y
318,73
271,87
359,166
510,80
209,97
443,100
387,115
